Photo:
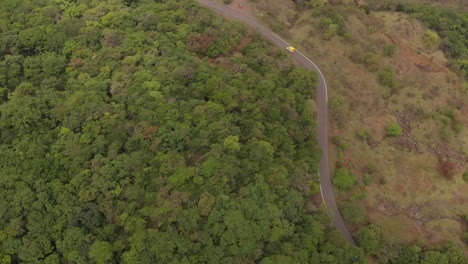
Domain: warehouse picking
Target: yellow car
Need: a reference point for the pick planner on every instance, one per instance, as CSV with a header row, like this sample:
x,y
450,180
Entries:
x,y
291,49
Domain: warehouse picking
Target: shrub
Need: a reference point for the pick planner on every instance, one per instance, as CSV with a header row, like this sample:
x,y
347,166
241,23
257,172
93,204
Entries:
x,y
370,61
344,180
389,50
372,29
465,176
394,130
314,188
325,23
383,181
364,135
458,127
369,238
330,32
338,143
387,78
368,179
336,140
353,212
432,39
337,106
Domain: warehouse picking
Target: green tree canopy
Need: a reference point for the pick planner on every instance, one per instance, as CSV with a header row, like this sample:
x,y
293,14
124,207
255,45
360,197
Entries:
x,y
344,180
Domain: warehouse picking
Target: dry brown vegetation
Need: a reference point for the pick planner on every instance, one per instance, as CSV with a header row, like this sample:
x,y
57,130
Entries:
x,y
417,177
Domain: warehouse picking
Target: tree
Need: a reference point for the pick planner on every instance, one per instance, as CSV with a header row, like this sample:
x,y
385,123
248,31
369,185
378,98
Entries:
x,y
231,144
302,81
369,238
434,257
101,252
31,40
73,245
408,255
353,212
344,180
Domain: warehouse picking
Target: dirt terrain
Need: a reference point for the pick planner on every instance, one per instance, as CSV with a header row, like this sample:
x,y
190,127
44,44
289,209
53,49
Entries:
x,y
415,195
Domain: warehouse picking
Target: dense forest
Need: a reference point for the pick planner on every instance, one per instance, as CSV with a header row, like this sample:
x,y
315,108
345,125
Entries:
x,y
155,132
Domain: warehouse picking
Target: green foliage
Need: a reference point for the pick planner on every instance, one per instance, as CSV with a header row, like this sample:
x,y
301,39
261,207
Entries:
x,y
387,78
448,253
370,61
394,130
338,143
432,39
449,119
370,239
301,80
317,3
461,67
231,143
368,179
353,212
101,252
118,134
330,32
458,127
389,50
122,142
314,188
465,176
344,180
332,22
383,181
337,106
364,135
325,22
372,29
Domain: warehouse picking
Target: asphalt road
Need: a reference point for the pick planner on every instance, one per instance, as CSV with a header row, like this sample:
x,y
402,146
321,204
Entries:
x,y
326,187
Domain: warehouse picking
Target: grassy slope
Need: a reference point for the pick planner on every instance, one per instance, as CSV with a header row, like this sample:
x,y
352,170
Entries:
x,y
414,194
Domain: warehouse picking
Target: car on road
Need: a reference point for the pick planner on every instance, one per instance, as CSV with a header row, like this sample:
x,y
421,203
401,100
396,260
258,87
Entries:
x,y
291,49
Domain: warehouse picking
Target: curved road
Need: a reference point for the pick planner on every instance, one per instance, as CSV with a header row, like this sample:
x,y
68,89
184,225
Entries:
x,y
326,187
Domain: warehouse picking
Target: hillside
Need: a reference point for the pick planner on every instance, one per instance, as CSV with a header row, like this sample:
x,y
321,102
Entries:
x,y
399,101
140,131
153,133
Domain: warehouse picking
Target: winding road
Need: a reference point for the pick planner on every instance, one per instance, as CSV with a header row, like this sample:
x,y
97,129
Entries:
x,y
326,187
